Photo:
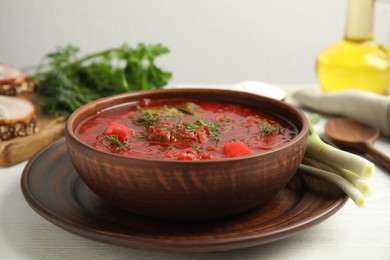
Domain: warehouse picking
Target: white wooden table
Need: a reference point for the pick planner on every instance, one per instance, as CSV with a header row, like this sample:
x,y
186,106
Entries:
x,y
352,233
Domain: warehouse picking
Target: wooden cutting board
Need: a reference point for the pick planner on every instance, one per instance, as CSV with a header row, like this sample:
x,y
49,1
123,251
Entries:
x,y
20,149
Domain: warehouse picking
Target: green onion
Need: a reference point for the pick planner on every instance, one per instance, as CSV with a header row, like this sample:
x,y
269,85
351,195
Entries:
x,y
337,180
329,154
352,169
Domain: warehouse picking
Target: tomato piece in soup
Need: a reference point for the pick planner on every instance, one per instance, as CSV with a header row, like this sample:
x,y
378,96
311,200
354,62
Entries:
x,y
119,131
234,149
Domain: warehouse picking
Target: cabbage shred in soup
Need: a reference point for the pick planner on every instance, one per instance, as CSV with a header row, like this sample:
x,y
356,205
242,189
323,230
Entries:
x,y
177,129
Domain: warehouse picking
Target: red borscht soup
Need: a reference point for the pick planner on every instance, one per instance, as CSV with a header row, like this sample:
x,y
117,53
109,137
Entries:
x,y
178,129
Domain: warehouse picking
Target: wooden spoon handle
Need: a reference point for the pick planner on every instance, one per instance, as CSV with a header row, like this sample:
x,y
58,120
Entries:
x,y
379,156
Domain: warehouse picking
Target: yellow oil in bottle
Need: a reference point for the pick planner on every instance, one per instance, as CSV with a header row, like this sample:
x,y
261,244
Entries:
x,y
358,61
350,65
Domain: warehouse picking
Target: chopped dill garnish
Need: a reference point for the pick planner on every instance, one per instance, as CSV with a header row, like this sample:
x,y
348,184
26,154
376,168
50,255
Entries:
x,y
214,131
268,129
187,126
146,119
113,141
213,128
226,120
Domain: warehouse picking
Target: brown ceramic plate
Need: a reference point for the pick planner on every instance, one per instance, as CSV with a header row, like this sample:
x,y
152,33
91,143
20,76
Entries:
x,y
53,189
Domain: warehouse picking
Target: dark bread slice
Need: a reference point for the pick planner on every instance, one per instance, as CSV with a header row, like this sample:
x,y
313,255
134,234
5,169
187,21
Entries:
x,y
17,118
14,82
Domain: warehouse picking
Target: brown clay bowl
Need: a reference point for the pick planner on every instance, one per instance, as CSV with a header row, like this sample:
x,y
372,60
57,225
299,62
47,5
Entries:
x,y
188,190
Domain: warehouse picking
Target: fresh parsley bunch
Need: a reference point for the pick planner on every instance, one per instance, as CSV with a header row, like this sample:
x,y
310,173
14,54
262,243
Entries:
x,y
67,81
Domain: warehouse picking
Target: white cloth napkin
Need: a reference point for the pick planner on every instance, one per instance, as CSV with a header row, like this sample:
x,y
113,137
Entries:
x,y
364,106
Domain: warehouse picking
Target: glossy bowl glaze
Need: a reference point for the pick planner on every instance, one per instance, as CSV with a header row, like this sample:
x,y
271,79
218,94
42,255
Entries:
x,y
188,190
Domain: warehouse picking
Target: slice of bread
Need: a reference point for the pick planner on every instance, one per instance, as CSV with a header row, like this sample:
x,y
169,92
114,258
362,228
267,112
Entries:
x,y
14,82
17,118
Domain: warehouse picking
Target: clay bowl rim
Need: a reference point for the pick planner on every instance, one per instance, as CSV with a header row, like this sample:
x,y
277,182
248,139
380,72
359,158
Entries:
x,y
71,127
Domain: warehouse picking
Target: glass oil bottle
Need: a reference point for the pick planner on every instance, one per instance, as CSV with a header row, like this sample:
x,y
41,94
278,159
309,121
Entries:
x,y
357,61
